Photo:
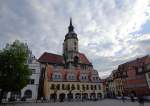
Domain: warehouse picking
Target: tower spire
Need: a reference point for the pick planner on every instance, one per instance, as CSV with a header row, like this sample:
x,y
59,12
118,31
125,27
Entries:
x,y
70,28
70,21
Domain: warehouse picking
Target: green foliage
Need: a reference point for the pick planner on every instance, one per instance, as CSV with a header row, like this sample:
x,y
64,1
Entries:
x,y
14,71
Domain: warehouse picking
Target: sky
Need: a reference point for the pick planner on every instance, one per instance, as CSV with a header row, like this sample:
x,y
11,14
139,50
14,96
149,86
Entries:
x,y
110,32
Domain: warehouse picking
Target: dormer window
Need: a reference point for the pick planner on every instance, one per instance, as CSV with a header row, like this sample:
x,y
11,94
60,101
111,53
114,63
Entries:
x,y
71,77
56,76
82,77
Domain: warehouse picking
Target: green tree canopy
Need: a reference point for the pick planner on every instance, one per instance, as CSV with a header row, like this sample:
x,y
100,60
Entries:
x,y
14,71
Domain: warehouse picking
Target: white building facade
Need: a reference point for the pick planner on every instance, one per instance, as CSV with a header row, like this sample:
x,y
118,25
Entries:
x,y
30,91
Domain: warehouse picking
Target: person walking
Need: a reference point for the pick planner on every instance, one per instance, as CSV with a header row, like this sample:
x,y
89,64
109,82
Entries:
x,y
123,99
141,101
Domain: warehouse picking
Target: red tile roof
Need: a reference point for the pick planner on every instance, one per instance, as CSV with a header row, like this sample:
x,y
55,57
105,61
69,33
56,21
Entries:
x,y
51,58
83,59
54,58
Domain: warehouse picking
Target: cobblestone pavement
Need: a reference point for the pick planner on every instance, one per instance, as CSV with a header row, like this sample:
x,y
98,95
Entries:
x,y
106,102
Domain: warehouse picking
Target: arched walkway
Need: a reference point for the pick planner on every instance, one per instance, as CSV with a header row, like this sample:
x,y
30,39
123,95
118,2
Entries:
x,y
85,96
28,94
93,96
53,97
69,96
78,96
99,96
62,97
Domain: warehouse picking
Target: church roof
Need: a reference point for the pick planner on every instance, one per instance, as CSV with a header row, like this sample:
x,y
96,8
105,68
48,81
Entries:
x,y
51,58
58,59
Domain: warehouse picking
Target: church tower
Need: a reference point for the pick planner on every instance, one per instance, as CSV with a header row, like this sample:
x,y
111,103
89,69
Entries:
x,y
70,48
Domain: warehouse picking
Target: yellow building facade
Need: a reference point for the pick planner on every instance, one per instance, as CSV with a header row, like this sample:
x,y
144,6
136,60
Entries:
x,y
70,75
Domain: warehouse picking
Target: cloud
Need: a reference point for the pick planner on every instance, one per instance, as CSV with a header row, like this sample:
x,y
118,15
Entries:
x,y
106,30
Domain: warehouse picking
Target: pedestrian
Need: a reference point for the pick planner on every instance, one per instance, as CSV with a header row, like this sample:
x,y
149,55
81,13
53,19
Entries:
x,y
42,99
123,99
141,101
132,98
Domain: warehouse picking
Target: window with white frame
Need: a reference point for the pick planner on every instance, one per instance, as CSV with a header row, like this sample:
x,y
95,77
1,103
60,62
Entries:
x,y
72,77
139,70
33,71
148,74
56,76
94,78
69,77
148,67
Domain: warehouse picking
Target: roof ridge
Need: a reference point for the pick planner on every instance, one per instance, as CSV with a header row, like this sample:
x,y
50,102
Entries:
x,y
52,53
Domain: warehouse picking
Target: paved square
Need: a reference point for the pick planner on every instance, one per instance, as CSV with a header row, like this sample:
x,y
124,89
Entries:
x,y
106,102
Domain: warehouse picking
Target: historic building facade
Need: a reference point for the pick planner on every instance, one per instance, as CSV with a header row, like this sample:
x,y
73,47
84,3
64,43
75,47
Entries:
x,y
30,91
70,75
136,82
132,78
147,74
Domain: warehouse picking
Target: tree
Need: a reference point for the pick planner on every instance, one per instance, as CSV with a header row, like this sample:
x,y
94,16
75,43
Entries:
x,y
14,71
